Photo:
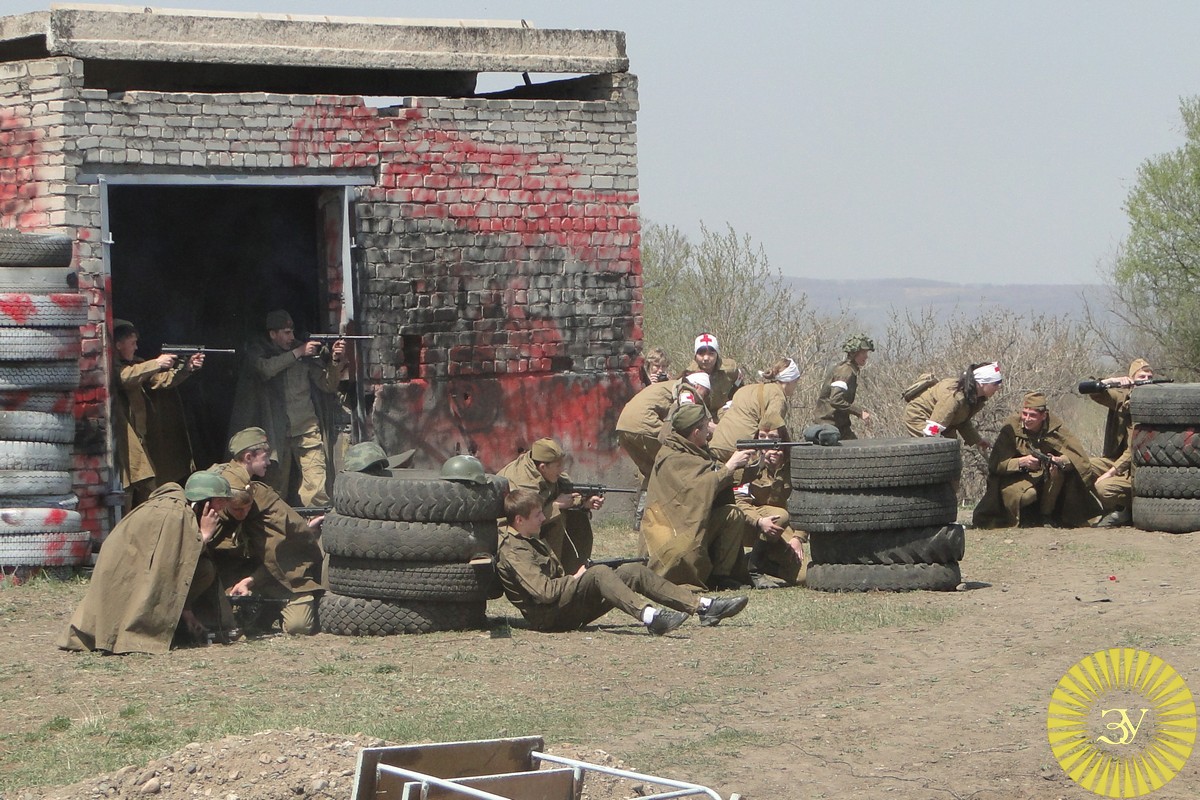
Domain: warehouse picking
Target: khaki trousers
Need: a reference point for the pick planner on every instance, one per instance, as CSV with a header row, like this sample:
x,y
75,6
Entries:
x,y
1114,492
601,589
308,451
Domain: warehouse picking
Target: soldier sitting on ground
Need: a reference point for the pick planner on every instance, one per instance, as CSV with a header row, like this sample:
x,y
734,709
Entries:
x,y
1038,474
264,547
775,549
553,600
568,525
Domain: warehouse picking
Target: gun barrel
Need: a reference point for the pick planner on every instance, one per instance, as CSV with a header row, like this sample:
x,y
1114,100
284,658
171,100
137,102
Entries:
x,y
591,489
767,444
333,337
194,348
1091,387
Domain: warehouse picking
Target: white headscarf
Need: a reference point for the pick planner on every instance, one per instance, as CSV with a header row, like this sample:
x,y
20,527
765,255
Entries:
x,y
700,379
789,374
988,373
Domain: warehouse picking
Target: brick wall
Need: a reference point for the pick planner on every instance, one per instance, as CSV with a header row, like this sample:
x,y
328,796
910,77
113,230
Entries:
x,y
498,246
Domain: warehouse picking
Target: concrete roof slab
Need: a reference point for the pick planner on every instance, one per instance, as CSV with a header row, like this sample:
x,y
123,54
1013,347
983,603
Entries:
x,y
125,33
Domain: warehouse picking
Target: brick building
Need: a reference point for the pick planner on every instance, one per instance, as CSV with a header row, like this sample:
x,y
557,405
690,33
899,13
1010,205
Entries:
x,y
213,166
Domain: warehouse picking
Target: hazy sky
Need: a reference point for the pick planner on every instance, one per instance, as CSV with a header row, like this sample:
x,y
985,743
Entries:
x,y
966,141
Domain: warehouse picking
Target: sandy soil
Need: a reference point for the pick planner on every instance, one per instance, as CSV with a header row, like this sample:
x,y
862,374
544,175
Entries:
x,y
805,695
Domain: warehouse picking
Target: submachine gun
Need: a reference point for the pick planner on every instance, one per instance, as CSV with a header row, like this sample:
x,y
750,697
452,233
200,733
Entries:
x,y
1091,386
186,351
767,444
598,490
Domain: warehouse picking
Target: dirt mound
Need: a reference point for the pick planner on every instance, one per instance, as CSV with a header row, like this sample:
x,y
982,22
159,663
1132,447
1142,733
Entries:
x,y
269,765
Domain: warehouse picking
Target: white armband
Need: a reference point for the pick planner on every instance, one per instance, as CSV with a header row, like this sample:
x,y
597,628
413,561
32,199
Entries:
x,y
840,385
933,429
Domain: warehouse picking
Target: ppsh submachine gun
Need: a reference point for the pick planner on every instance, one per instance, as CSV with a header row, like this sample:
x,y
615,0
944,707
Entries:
x,y
1046,459
767,444
616,561
311,512
598,490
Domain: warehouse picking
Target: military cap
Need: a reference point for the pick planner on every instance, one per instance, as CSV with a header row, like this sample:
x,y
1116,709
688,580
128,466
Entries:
x,y
401,460
687,417
363,456
544,451
205,485
1137,365
277,320
1035,401
245,439
122,328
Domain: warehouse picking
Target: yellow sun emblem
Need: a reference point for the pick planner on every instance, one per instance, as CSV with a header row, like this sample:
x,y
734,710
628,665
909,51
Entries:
x,y
1121,723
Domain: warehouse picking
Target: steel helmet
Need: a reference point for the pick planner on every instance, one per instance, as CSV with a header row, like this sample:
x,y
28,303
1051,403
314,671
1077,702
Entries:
x,y
205,485
859,341
364,455
465,469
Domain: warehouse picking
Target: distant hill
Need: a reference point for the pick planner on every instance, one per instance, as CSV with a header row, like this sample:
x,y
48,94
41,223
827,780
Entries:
x,y
872,301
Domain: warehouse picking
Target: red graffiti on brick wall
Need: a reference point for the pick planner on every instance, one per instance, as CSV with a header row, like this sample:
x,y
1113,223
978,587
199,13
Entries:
x,y
20,154
347,132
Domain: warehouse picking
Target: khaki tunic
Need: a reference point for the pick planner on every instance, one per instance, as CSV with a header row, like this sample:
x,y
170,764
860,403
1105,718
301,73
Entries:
x,y
692,530
757,407
552,600
835,402
641,422
767,496
726,379
946,406
1116,490
569,535
151,435
1066,500
142,580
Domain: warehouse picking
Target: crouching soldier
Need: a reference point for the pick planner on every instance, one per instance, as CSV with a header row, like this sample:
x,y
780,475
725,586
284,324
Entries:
x,y
1039,473
551,600
152,576
775,549
264,548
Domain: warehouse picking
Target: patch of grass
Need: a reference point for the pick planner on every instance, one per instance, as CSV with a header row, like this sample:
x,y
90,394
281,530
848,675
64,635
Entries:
x,y
846,613
1145,640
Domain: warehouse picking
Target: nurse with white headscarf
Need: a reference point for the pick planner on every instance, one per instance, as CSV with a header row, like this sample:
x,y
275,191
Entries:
x,y
758,410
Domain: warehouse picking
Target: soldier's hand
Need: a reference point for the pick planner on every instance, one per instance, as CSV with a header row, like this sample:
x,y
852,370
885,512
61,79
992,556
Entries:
x,y
866,416
196,362
1028,463
565,501
579,572
339,350
739,459
984,445
312,349
209,520
165,361
770,526
242,587
315,522
594,502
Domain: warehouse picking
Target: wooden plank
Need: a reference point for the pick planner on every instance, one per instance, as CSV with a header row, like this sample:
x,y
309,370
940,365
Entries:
x,y
446,760
548,784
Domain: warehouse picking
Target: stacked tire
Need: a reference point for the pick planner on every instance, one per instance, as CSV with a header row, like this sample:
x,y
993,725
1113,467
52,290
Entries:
x,y
40,316
400,551
880,514
1166,457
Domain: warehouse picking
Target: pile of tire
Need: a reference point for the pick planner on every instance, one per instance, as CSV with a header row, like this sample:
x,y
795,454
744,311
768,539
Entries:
x,y
880,514
400,551
1166,457
40,316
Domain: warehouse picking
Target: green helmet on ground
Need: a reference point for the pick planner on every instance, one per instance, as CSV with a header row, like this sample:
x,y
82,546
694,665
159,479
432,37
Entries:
x,y
859,341
365,455
205,485
464,469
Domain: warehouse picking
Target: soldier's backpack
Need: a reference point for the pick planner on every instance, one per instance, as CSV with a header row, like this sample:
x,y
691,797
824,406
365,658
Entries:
x,y
918,387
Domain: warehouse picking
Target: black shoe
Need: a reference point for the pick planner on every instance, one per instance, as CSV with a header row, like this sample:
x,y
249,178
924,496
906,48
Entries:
x,y
666,620
1117,519
722,608
761,581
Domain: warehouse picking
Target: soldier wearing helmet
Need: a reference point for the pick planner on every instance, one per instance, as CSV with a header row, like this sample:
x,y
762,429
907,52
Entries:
x,y
836,400
152,578
568,525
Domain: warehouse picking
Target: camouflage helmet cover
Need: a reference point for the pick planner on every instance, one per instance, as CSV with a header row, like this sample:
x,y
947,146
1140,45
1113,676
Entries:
x,y
859,341
464,469
364,455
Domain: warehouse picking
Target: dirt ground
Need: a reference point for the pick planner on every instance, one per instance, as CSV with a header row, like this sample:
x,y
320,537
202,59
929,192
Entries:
x,y
926,695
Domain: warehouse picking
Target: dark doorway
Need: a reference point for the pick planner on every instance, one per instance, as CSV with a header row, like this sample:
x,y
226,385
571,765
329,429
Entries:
x,y
204,265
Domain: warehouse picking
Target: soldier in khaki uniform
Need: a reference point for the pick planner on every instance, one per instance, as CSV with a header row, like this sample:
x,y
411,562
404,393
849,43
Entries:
x,y
757,410
264,547
568,525
286,388
151,431
836,400
1023,489
946,408
553,600
724,374
1114,466
775,549
693,530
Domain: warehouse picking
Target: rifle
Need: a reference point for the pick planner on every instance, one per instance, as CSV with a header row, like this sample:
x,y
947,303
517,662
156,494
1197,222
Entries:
x,y
598,490
309,512
253,601
329,338
616,561
767,444
1091,386
186,351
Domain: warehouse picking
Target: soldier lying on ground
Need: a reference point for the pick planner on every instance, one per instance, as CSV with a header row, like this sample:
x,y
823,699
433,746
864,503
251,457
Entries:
x,y
552,600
